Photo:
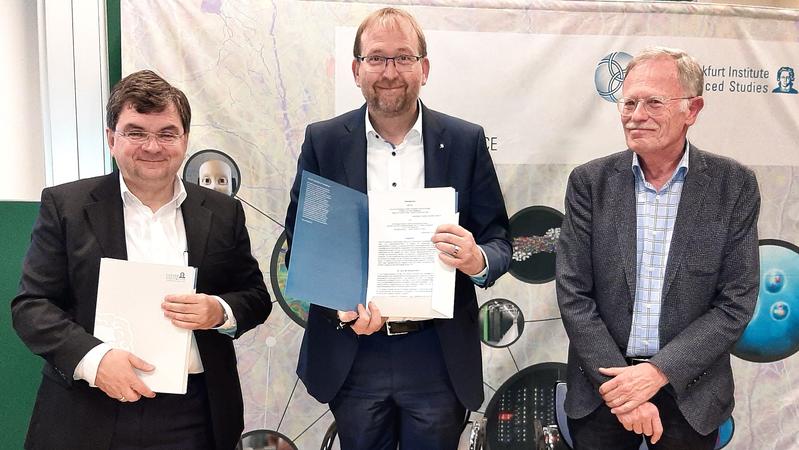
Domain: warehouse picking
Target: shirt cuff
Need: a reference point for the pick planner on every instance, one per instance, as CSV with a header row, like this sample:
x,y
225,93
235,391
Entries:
x,y
480,278
87,367
228,327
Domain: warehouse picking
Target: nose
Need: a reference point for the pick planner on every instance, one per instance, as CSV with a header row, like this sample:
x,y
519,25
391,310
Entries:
x,y
151,144
639,113
390,71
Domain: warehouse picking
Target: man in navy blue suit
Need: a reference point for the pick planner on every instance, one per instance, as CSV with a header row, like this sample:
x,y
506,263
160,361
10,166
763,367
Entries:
x,y
391,381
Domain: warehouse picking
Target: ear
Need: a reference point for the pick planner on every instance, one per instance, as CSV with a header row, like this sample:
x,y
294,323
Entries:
x,y
111,138
355,66
425,70
694,107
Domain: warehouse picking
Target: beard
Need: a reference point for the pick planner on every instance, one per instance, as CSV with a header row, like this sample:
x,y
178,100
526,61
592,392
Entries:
x,y
391,104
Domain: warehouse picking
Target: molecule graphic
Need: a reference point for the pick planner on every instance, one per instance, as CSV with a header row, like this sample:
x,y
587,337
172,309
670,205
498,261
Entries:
x,y
773,332
526,246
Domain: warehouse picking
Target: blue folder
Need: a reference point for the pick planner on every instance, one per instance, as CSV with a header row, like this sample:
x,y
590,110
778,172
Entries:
x,y
330,246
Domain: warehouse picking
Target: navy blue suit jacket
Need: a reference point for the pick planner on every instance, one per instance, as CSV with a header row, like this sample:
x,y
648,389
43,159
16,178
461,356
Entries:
x,y
455,155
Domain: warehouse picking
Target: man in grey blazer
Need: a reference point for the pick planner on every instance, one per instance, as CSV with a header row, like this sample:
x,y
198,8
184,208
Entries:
x,y
657,272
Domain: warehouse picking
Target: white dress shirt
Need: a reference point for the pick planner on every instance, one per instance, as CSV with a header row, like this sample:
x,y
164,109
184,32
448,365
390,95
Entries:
x,y
160,238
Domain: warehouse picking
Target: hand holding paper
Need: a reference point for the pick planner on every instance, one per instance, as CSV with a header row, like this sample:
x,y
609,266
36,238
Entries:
x,y
116,377
458,249
363,321
193,311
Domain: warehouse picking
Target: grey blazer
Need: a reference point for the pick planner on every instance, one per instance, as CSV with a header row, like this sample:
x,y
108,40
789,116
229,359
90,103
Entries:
x,y
710,287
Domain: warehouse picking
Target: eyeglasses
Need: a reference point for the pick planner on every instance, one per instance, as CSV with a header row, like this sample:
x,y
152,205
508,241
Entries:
x,y
377,63
143,137
654,106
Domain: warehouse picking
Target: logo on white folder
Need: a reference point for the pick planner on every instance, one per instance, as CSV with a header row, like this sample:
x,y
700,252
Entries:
x,y
177,277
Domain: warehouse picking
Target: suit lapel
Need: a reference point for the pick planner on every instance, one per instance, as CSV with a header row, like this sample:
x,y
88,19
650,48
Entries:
x,y
352,147
436,150
197,220
622,184
106,217
691,200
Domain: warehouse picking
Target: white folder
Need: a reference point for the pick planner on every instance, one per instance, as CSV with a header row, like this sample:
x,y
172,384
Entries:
x,y
129,317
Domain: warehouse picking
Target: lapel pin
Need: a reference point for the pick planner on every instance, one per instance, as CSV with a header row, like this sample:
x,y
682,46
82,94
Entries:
x,y
441,146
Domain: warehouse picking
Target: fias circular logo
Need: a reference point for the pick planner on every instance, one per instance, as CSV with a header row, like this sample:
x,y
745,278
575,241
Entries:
x,y
609,75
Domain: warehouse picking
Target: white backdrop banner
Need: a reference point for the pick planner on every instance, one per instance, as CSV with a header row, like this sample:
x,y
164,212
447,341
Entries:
x,y
538,96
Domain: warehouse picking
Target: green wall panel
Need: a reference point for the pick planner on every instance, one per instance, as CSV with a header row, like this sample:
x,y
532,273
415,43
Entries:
x,y
20,369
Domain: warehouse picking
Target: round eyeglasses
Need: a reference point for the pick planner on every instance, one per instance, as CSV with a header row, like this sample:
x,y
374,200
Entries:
x,y
142,137
654,105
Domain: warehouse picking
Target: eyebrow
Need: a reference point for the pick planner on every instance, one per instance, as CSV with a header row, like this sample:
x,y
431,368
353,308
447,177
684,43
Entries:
x,y
133,126
400,51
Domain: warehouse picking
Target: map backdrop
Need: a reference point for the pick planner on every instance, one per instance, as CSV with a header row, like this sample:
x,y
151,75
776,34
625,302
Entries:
x,y
539,76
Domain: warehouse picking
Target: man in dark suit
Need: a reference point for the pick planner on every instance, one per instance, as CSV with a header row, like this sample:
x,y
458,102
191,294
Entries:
x,y
90,396
657,272
394,381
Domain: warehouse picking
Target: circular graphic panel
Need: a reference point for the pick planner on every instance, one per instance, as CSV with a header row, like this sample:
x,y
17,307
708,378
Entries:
x,y
295,308
534,233
773,332
726,431
213,169
501,322
521,415
265,440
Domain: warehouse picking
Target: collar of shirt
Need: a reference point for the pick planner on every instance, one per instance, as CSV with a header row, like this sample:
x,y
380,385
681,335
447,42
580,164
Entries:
x,y
395,167
129,199
679,172
414,135
155,237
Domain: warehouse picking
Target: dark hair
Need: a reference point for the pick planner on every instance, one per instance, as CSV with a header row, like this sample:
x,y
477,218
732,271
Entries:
x,y
146,92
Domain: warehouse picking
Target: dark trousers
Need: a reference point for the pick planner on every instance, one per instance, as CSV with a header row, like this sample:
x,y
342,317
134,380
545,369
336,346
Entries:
x,y
601,430
166,422
398,392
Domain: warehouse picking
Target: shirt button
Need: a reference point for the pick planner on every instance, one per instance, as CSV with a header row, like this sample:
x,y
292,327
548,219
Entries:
x,y
393,153
393,184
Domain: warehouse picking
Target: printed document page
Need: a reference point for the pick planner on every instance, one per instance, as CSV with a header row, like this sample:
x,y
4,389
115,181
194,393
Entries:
x,y
406,278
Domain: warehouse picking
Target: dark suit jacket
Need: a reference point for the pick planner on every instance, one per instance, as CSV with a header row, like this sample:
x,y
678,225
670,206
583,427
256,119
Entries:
x,y
709,292
78,224
336,149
